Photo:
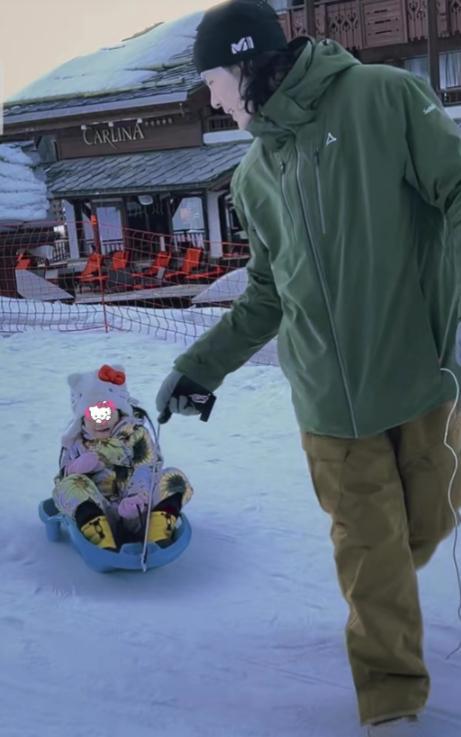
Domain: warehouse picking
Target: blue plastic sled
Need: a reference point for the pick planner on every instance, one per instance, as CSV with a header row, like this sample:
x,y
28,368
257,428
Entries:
x,y
128,558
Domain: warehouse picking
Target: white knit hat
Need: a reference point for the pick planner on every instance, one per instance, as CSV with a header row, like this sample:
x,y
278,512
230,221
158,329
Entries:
x,y
107,383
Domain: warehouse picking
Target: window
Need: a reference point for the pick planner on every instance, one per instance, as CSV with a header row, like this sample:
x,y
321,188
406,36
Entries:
x,y
189,215
110,226
283,4
450,68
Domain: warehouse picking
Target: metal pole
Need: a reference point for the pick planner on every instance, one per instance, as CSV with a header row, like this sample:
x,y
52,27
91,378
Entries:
x,y
309,11
433,45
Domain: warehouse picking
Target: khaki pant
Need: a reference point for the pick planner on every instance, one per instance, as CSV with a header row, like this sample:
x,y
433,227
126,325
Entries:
x,y
388,499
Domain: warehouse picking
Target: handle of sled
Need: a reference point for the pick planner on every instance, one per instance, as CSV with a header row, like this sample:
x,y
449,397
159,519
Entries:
x,y
205,410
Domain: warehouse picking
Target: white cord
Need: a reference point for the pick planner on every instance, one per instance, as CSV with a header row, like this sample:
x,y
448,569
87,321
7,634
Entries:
x,y
450,501
155,479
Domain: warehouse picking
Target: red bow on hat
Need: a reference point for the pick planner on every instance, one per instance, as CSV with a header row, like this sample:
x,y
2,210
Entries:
x,y
107,373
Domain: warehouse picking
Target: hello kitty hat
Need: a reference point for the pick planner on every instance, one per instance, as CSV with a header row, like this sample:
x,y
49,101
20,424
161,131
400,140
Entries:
x,y
106,384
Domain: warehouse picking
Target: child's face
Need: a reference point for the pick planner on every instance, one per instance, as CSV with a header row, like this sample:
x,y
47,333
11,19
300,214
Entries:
x,y
100,419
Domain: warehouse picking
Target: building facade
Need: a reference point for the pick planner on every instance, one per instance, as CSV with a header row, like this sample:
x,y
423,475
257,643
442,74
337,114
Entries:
x,y
134,144
387,32
128,140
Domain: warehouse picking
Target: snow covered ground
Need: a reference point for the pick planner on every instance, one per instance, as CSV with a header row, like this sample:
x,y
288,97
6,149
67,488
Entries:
x,y
243,635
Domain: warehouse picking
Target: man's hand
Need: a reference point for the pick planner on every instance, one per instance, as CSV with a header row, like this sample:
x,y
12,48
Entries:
x,y
180,394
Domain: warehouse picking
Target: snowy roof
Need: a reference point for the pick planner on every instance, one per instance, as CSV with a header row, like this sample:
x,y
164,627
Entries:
x,y
22,190
180,79
136,63
150,170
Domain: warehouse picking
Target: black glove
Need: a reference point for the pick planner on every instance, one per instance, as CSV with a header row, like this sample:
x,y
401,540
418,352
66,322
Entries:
x,y
180,394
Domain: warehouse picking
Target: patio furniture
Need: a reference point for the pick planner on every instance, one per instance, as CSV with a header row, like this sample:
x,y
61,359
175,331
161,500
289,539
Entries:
x,y
190,262
151,276
91,274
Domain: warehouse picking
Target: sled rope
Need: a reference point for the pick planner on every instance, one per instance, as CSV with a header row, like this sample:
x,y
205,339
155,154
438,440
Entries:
x,y
155,479
450,501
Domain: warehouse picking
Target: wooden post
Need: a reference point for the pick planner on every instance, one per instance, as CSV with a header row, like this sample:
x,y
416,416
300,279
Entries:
x,y
433,45
213,232
309,11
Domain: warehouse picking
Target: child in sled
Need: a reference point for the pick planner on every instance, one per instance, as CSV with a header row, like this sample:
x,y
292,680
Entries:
x,y
107,464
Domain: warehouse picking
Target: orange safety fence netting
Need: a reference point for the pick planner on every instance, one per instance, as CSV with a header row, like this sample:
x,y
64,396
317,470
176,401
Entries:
x,y
78,278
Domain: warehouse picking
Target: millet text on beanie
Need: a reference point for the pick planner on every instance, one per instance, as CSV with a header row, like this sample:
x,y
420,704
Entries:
x,y
234,31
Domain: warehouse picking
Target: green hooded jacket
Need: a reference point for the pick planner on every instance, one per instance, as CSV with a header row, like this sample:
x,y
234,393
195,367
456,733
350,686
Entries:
x,y
351,198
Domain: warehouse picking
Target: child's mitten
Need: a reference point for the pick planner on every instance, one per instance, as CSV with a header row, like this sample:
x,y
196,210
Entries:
x,y
88,462
131,506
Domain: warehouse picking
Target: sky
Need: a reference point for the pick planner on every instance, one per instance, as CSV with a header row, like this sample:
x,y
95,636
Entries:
x,y
54,31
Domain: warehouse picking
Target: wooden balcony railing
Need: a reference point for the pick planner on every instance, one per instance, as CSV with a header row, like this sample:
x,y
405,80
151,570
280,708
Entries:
x,y
452,96
362,24
219,123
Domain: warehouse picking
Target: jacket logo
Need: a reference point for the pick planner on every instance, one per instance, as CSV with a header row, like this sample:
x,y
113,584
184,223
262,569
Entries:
x,y
330,139
245,44
200,398
429,109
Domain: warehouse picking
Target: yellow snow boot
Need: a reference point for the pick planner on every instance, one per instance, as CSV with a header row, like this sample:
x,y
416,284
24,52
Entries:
x,y
98,532
161,528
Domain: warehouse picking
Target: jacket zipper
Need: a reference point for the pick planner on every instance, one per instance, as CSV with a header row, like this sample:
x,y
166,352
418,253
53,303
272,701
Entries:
x,y
285,201
326,297
319,192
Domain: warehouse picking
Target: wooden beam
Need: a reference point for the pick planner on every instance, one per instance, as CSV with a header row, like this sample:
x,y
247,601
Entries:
x,y
309,9
433,45
56,125
396,52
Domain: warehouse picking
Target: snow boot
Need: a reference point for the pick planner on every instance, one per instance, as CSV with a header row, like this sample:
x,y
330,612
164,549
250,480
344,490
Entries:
x,y
98,532
424,725
94,525
406,726
161,527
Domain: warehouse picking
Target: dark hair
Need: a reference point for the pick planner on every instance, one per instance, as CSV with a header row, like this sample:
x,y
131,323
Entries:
x,y
260,76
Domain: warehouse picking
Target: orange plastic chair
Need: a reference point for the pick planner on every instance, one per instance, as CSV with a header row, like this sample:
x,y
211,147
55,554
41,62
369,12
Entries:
x,y
120,260
161,261
206,276
91,274
23,262
190,262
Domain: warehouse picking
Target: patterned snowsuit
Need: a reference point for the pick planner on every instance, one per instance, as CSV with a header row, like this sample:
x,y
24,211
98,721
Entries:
x,y
127,460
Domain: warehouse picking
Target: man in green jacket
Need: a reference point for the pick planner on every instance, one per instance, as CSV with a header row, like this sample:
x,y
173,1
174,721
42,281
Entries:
x,y
351,198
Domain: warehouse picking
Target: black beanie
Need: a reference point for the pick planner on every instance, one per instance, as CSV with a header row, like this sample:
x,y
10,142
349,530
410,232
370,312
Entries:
x,y
236,30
